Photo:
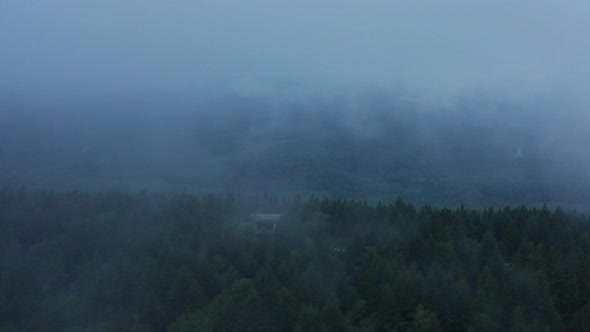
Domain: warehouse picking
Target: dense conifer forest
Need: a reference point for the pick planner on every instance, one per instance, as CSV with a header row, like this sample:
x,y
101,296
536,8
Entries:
x,y
118,261
320,166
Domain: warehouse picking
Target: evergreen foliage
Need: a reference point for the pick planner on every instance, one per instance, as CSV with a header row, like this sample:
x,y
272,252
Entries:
x,y
117,261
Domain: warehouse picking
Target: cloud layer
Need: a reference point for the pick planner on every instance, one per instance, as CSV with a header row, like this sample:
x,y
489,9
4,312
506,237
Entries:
x,y
511,48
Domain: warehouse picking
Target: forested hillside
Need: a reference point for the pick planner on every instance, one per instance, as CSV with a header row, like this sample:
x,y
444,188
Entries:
x,y
116,261
336,166
479,151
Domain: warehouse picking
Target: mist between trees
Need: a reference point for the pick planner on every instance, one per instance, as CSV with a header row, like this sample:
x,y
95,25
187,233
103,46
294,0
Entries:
x,y
145,261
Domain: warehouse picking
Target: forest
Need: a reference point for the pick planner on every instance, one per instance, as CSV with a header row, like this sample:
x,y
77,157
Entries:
x,y
422,166
149,261
477,150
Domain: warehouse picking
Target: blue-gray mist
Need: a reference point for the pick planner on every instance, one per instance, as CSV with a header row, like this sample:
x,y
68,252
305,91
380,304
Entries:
x,y
442,102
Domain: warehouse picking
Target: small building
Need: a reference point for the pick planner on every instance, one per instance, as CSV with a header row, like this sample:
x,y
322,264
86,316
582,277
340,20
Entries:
x,y
265,222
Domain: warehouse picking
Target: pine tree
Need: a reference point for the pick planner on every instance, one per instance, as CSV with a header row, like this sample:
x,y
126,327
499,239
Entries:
x,y
581,319
424,321
518,323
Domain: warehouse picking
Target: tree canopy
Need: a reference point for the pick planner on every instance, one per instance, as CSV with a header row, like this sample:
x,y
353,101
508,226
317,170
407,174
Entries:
x,y
111,261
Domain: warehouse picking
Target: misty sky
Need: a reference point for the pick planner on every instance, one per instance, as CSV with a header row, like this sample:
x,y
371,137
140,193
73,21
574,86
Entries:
x,y
258,47
511,48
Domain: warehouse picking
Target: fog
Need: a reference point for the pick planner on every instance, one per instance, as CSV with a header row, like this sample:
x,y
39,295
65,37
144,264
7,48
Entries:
x,y
294,165
455,101
254,47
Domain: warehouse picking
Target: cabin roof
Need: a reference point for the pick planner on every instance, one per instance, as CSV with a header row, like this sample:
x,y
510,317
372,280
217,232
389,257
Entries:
x,y
266,217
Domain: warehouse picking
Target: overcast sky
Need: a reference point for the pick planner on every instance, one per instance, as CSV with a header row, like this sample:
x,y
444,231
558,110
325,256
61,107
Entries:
x,y
512,48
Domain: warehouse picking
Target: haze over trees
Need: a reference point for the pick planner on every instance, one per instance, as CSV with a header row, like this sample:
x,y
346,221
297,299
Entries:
x,y
437,103
477,151
429,162
146,261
